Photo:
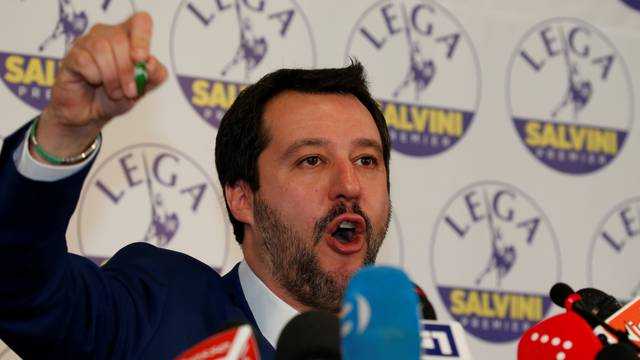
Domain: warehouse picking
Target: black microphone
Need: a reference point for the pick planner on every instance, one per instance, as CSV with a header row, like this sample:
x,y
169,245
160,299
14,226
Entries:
x,y
562,294
559,294
598,303
427,310
313,335
617,351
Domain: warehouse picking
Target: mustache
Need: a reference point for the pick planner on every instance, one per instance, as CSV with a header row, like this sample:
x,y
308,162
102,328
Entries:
x,y
322,224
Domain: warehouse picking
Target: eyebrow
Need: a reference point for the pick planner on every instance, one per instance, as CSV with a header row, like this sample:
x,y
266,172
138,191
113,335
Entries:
x,y
369,143
317,142
304,143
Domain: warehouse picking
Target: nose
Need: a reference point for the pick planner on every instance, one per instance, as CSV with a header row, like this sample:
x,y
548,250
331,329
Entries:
x,y
345,183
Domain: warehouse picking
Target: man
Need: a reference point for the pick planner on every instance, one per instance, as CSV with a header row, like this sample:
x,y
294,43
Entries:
x,y
302,157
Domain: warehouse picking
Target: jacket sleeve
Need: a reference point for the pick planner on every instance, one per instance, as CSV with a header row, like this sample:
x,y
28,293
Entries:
x,y
54,304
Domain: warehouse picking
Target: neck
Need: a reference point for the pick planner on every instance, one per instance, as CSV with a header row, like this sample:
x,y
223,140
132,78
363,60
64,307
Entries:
x,y
263,271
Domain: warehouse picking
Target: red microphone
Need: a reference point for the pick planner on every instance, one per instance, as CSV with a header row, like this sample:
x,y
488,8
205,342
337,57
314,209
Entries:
x,y
560,337
236,343
562,294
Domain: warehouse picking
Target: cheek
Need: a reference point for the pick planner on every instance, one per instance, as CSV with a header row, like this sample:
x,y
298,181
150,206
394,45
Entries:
x,y
300,206
383,207
377,206
300,193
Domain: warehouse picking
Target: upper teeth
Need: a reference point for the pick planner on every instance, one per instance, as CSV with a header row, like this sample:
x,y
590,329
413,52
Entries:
x,y
347,225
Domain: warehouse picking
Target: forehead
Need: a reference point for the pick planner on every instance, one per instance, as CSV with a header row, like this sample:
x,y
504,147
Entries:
x,y
292,115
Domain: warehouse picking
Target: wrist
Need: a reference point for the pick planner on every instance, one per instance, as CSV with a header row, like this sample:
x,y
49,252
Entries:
x,y
61,137
59,155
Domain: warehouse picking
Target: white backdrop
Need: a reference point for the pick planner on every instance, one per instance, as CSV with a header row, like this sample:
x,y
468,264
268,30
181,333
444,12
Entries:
x,y
515,161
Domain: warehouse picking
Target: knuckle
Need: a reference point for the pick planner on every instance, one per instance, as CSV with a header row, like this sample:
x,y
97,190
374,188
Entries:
x,y
80,58
119,36
100,47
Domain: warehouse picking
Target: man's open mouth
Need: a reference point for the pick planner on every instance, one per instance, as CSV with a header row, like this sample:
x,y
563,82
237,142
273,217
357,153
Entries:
x,y
345,231
347,234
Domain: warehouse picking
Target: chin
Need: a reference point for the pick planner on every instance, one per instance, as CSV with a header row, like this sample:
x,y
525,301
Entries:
x,y
341,279
346,270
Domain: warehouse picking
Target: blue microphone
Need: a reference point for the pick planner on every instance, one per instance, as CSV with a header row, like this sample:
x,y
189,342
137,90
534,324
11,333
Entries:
x,y
379,317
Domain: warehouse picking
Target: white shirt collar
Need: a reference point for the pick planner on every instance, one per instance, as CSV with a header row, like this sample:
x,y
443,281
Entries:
x,y
270,312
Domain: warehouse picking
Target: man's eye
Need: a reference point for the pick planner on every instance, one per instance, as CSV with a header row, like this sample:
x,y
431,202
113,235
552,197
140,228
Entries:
x,y
310,161
367,161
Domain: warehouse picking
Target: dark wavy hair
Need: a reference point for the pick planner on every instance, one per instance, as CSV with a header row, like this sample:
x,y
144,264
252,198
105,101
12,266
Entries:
x,y
242,135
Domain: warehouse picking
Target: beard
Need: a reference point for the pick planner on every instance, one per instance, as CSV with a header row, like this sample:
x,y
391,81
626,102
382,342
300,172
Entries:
x,y
295,265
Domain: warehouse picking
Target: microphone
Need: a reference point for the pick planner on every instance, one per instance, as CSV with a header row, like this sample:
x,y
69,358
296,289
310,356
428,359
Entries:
x,y
562,294
627,321
598,303
313,335
563,336
233,344
379,317
443,341
439,340
427,310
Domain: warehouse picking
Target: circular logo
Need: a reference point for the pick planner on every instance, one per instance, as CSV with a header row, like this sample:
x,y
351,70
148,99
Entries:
x,y
424,73
239,41
155,194
392,249
500,235
570,96
29,63
614,252
635,4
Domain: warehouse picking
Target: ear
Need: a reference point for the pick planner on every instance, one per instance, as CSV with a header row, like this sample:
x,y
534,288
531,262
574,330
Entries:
x,y
239,197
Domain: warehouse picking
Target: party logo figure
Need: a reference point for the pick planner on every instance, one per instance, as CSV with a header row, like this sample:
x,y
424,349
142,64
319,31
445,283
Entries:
x,y
220,47
486,253
29,63
153,193
423,70
570,96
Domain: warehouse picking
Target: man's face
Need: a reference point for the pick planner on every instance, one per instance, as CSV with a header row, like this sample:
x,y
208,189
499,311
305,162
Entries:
x,y
323,208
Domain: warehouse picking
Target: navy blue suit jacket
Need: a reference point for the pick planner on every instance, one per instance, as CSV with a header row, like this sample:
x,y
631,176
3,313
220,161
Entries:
x,y
145,303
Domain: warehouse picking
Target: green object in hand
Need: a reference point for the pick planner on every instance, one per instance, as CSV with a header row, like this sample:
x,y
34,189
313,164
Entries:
x,y
141,76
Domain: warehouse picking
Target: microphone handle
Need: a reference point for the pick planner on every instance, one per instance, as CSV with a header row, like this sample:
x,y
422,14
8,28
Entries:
x,y
622,336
